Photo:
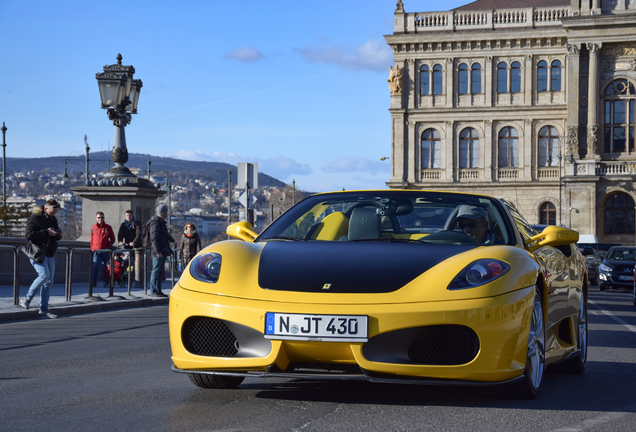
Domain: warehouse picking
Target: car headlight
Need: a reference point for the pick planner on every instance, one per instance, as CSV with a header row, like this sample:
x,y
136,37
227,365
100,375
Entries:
x,y
479,273
206,267
605,268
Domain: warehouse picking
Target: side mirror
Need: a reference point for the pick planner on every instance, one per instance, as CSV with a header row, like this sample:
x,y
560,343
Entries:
x,y
588,250
552,236
242,231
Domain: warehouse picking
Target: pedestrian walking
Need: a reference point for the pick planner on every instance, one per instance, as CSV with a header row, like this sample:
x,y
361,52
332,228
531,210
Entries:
x,y
129,237
42,234
190,243
102,237
159,248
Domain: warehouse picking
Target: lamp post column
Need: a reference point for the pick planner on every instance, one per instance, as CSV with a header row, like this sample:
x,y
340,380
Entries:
x,y
4,166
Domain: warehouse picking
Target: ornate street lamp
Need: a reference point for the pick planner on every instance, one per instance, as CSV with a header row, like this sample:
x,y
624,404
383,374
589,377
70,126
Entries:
x,y
120,94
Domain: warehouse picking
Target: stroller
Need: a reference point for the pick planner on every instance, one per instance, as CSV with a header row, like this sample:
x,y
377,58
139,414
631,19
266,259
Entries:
x,y
119,269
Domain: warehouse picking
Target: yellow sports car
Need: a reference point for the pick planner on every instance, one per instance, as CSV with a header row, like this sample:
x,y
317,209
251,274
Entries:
x,y
389,285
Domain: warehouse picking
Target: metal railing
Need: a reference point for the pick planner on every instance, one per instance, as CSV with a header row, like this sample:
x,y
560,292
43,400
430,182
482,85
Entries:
x,y
16,273
70,253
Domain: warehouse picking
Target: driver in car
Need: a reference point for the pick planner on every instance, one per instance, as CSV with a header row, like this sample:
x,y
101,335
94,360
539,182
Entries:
x,y
473,221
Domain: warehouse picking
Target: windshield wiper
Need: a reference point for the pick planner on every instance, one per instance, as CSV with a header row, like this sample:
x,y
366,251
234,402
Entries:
x,y
407,240
282,238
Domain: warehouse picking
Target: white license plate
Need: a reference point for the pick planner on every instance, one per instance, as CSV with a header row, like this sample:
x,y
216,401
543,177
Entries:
x,y
318,328
625,278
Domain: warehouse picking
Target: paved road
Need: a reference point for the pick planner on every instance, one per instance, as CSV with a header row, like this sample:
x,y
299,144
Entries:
x,y
110,371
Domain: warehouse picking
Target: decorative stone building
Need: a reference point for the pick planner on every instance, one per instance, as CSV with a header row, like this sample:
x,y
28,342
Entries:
x,y
533,101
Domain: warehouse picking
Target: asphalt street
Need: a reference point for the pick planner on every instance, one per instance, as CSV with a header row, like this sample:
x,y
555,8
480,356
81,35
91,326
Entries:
x,y
110,371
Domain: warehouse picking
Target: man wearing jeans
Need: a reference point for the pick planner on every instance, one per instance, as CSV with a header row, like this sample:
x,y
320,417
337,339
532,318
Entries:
x,y
159,248
44,232
102,237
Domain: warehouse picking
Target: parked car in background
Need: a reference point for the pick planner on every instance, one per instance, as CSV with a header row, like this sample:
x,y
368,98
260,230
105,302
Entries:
x,y
594,260
617,268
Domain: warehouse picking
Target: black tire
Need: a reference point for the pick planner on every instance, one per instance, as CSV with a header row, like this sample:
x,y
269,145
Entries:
x,y
577,365
208,381
529,387
602,287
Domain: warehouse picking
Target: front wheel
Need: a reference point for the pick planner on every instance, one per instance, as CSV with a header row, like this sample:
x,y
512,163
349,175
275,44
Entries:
x,y
208,381
529,387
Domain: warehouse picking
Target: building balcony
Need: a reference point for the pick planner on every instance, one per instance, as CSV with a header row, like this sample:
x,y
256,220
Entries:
x,y
616,168
531,17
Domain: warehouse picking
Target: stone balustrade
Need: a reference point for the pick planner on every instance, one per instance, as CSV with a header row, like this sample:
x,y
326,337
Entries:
x,y
487,19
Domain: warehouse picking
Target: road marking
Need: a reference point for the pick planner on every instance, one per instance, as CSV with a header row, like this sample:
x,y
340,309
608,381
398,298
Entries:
x,y
615,318
598,421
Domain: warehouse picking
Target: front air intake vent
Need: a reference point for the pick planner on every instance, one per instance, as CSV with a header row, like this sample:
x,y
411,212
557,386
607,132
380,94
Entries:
x,y
209,337
444,345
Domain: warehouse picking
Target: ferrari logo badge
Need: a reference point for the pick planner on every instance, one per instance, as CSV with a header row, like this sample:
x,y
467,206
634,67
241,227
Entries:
x,y
326,286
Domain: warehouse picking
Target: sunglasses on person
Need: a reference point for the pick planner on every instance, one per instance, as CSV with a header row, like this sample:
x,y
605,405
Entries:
x,y
462,225
100,217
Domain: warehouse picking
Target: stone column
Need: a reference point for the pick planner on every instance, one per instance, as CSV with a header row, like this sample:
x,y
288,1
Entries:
x,y
525,147
572,89
593,101
450,153
409,83
488,72
412,154
398,156
527,72
450,69
488,151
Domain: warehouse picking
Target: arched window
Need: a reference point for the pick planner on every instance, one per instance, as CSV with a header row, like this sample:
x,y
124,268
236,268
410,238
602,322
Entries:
x,y
618,131
431,149
438,80
475,79
542,76
462,79
619,214
515,77
548,146
468,148
547,214
555,79
502,78
425,79
508,148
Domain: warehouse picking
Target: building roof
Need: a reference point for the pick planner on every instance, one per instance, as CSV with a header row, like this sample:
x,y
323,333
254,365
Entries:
x,y
511,4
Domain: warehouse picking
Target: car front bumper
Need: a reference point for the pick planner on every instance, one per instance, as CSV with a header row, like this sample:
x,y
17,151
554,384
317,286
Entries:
x,y
499,325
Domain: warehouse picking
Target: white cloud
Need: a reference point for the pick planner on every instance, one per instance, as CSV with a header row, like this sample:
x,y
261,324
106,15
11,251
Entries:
x,y
349,164
280,167
373,55
246,55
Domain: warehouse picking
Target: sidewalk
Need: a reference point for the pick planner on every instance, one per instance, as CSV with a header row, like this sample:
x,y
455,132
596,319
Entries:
x,y
80,302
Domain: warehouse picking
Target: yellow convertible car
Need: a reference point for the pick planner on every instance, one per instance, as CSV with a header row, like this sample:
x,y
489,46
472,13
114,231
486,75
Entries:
x,y
399,286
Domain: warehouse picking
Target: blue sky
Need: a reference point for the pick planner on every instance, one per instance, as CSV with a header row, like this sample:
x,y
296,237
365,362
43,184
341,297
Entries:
x,y
299,87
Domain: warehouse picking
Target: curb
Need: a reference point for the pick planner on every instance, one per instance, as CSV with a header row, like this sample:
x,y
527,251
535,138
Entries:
x,y
93,306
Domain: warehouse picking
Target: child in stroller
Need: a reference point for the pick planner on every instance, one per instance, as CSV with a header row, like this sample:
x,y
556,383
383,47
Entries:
x,y
120,269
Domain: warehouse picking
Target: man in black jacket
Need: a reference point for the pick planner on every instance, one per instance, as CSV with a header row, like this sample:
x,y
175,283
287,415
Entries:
x,y
44,232
129,237
159,248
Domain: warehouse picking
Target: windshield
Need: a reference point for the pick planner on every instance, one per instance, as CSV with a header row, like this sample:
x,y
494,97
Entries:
x,y
622,254
407,216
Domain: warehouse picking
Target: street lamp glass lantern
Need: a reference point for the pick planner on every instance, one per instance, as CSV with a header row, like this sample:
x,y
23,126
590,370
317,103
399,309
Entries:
x,y
112,88
135,89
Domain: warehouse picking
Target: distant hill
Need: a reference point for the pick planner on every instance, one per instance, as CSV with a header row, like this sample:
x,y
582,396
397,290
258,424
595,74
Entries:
x,y
212,171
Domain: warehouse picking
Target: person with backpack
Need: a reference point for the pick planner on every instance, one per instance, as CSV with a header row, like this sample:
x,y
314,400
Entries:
x,y
43,233
129,237
156,239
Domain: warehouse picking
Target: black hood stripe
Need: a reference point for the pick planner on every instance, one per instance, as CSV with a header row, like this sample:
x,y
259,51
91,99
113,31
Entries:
x,y
348,267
